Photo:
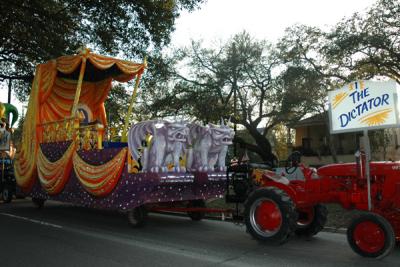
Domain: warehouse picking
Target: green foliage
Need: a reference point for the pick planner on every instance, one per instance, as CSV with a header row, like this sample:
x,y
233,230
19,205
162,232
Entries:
x,y
116,106
34,31
281,142
368,44
380,140
360,47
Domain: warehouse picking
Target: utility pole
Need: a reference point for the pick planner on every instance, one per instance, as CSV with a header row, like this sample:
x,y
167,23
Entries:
x,y
234,124
234,97
9,91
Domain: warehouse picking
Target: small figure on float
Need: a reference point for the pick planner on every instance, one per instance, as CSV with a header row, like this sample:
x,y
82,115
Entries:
x,y
5,129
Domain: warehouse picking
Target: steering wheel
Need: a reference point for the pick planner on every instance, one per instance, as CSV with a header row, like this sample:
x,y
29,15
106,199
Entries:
x,y
293,162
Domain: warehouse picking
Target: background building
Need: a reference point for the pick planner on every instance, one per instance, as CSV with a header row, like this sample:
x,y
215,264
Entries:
x,y
312,139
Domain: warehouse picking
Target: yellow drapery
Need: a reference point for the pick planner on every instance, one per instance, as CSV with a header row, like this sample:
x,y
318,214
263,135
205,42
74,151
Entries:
x,y
99,180
54,175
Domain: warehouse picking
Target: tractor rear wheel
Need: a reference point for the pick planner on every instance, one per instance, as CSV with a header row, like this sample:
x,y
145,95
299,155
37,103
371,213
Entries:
x,y
270,215
371,235
312,220
137,216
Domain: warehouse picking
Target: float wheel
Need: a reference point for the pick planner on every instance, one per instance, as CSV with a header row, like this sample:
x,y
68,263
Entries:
x,y
270,215
137,216
38,202
196,215
371,235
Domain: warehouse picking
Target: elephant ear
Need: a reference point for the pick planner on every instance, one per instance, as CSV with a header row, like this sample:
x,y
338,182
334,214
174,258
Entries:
x,y
222,122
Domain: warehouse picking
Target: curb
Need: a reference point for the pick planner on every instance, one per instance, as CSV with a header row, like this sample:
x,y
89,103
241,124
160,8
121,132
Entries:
x,y
330,229
327,229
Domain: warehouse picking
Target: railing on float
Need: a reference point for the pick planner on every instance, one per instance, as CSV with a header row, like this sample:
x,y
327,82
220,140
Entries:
x,y
87,136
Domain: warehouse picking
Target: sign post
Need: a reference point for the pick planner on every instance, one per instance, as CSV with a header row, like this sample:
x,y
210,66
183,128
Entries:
x,y
362,106
367,149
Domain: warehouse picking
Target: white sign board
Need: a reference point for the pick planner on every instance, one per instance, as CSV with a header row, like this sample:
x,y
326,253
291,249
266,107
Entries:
x,y
364,105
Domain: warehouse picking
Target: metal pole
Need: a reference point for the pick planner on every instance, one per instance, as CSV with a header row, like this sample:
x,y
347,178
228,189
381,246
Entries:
x,y
234,87
367,169
2,167
124,137
78,87
234,115
9,91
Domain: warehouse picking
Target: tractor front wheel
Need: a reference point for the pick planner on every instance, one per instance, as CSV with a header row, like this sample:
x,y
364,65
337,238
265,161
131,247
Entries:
x,y
270,215
371,235
312,220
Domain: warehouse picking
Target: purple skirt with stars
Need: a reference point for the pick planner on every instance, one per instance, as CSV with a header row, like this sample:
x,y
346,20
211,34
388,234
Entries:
x,y
132,190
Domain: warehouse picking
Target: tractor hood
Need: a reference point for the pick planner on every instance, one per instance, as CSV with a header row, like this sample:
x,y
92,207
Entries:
x,y
350,169
339,169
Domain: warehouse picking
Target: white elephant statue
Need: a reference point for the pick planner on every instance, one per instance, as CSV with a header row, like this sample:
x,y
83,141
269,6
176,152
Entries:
x,y
159,140
207,147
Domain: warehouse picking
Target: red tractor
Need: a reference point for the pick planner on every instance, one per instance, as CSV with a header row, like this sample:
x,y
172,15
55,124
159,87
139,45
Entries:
x,y
288,200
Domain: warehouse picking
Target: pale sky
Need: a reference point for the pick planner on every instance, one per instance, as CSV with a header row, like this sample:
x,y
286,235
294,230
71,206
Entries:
x,y
263,19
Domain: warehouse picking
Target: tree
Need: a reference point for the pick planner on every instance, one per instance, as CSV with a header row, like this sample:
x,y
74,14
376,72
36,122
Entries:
x,y
304,47
380,141
368,44
281,141
34,31
116,106
242,79
360,47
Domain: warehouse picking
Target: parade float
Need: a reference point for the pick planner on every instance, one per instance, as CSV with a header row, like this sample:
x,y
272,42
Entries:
x,y
68,153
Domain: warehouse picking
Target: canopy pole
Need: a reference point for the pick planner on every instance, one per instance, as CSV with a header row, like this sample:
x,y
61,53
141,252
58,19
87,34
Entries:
x,y
124,137
78,87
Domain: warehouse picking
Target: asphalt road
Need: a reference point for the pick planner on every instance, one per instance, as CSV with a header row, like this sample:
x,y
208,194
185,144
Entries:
x,y
62,235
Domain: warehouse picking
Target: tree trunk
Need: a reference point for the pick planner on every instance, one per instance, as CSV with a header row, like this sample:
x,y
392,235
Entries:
x,y
262,146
